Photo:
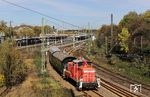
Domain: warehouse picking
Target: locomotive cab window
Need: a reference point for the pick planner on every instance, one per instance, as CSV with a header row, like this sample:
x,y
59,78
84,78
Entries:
x,y
79,62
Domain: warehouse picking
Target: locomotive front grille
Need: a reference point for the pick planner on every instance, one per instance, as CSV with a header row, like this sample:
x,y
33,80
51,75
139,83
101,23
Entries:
x,y
89,76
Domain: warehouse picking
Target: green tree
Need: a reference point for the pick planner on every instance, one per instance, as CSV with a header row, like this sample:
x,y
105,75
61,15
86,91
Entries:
x,y
131,21
11,65
105,31
123,39
146,16
8,31
3,27
144,32
48,29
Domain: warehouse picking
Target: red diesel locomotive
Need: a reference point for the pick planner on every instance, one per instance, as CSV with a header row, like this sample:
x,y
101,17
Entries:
x,y
79,70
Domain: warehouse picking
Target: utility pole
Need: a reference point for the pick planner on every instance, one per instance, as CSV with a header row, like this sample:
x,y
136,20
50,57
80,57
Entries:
x,y
106,45
43,48
88,27
26,39
141,42
10,29
111,30
134,41
74,41
89,30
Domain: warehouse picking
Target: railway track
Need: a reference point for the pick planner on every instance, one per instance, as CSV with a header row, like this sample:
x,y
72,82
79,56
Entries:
x,y
122,78
120,92
111,87
92,93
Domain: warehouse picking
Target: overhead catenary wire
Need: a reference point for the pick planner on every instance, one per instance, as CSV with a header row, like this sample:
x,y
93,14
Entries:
x,y
56,24
40,13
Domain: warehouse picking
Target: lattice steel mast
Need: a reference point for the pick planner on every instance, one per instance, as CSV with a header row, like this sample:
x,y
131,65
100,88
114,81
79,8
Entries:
x,y
43,69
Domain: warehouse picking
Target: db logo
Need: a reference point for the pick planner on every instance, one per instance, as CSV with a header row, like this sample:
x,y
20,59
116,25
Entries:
x,y
135,88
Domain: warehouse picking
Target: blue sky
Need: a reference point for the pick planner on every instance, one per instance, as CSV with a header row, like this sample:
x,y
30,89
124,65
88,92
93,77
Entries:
x,y
79,12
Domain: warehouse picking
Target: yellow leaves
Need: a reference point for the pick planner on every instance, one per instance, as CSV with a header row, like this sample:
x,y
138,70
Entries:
x,y
124,35
25,31
146,14
2,79
3,26
11,64
123,38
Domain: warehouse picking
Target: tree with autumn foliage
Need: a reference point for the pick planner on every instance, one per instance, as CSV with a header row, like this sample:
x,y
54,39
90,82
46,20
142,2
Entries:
x,y
11,65
25,32
3,26
105,31
123,39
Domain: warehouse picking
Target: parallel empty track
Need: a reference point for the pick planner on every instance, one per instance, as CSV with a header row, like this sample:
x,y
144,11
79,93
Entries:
x,y
123,79
120,92
92,93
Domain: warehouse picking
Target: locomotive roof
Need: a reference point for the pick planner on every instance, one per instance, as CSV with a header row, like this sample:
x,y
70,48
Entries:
x,y
77,61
